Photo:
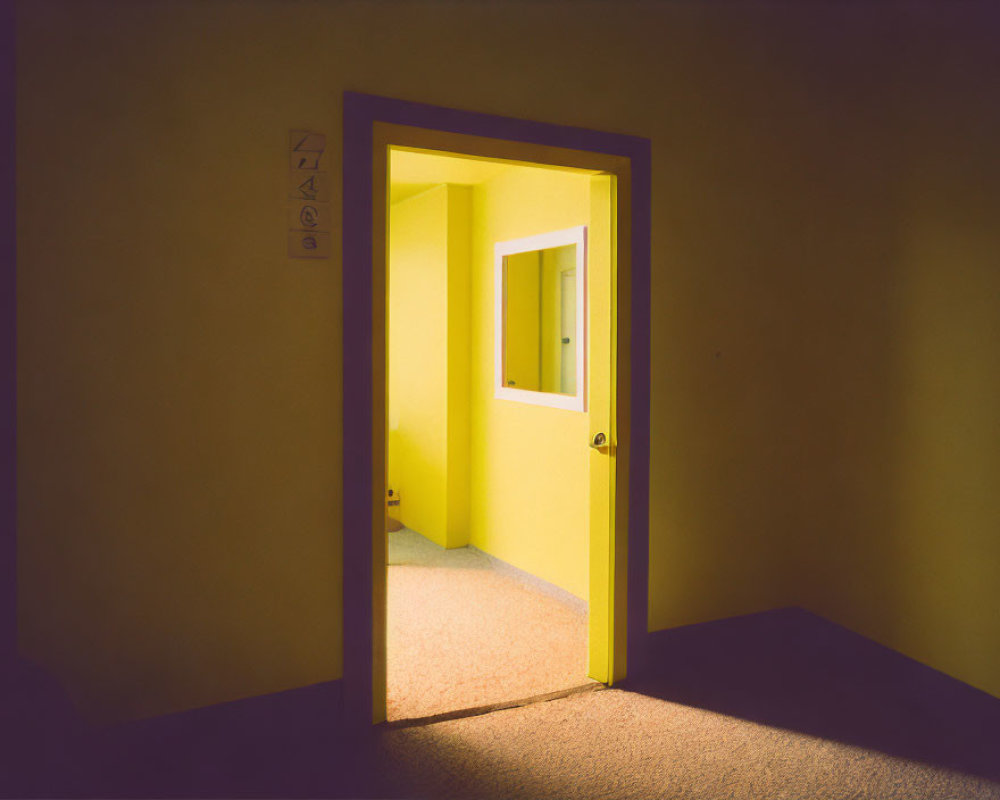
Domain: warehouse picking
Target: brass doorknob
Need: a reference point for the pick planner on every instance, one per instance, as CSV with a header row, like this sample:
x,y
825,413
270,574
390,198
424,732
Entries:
x,y
599,442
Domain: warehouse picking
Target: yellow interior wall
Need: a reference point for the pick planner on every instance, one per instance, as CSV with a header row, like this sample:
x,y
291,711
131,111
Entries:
x,y
522,322
417,401
459,354
553,262
548,323
428,363
823,344
529,464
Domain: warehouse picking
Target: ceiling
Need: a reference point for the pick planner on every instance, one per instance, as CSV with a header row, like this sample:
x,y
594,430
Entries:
x,y
411,172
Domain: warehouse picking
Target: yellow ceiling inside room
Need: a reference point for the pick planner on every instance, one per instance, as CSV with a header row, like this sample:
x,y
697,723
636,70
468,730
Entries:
x,y
412,171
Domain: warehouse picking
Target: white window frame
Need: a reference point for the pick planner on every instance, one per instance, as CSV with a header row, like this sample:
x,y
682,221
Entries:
x,y
543,241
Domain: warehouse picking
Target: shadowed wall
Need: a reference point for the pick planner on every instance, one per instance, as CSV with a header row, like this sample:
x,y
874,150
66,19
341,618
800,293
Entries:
x,y
824,282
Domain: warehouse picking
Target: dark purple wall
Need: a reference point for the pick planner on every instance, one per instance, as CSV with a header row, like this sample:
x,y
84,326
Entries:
x,y
8,305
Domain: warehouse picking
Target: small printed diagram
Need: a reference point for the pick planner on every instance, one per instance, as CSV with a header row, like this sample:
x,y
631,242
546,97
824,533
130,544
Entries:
x,y
309,192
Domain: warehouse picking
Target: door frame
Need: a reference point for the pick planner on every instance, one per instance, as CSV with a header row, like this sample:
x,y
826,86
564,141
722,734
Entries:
x,y
369,122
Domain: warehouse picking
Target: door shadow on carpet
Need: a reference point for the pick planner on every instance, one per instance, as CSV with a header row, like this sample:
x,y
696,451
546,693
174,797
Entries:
x,y
794,670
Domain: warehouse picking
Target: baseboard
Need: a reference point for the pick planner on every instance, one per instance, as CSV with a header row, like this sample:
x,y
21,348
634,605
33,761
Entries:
x,y
547,588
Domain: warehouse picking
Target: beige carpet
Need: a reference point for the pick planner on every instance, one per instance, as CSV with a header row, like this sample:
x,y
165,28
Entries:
x,y
615,744
465,630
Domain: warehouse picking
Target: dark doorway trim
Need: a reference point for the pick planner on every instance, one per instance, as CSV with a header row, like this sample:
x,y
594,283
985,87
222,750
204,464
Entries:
x,y
8,348
361,113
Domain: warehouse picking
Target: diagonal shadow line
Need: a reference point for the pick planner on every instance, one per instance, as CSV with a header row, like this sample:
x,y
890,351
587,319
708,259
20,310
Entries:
x,y
476,711
794,670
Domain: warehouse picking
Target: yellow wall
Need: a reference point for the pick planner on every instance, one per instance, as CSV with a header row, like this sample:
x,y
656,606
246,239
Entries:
x,y
824,350
529,464
529,485
428,362
522,322
906,533
459,354
554,262
417,402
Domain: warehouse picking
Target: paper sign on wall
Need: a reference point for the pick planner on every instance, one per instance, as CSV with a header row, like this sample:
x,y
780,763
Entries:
x,y
309,185
302,244
309,215
309,189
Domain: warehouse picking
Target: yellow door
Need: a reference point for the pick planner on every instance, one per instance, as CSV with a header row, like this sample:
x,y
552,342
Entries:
x,y
601,314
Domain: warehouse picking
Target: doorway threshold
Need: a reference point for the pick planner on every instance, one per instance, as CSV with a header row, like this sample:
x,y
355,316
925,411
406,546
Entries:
x,y
446,716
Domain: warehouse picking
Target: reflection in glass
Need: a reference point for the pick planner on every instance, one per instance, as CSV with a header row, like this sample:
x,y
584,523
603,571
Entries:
x,y
540,320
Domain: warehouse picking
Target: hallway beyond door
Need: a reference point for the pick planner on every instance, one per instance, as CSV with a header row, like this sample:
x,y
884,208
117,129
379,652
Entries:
x,y
467,630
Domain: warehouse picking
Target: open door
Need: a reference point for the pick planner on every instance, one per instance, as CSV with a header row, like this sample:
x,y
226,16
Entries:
x,y
601,314
619,412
